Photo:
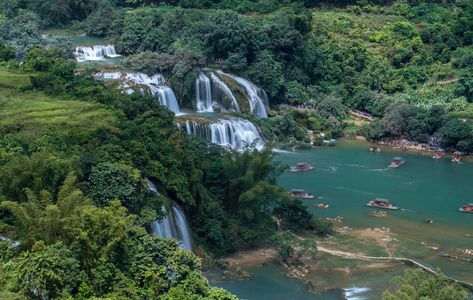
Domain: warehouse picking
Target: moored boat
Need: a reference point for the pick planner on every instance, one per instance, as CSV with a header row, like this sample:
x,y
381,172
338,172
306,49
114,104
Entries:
x,y
396,162
439,153
382,203
457,156
467,208
301,167
300,193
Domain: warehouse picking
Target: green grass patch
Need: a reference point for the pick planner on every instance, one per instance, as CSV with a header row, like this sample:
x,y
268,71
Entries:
x,y
11,79
408,248
331,261
29,112
32,111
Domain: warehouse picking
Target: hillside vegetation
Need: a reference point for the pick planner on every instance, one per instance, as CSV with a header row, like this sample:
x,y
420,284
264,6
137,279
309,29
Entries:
x,y
74,153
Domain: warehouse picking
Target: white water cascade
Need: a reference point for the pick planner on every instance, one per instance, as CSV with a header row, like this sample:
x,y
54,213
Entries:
x,y
174,225
96,52
236,133
221,93
203,94
154,84
254,93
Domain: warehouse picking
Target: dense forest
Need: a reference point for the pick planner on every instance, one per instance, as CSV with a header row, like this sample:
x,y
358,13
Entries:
x,y
74,153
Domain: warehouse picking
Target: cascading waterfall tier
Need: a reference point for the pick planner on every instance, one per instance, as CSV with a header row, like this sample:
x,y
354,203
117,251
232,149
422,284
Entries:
x,y
221,93
96,52
203,94
256,96
236,133
154,85
174,225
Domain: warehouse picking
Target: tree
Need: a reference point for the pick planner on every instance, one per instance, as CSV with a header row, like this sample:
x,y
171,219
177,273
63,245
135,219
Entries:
x,y
106,20
267,72
46,272
43,219
294,214
41,171
21,33
288,244
454,131
331,105
418,285
108,182
295,93
6,52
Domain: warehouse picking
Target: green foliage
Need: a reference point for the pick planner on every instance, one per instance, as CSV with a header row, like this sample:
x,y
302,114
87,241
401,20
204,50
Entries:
x,y
106,20
38,172
267,72
44,219
331,106
288,244
178,65
416,284
455,131
21,33
109,182
294,214
6,53
51,271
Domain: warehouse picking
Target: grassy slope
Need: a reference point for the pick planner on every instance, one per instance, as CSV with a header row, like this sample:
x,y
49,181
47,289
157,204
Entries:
x,y
32,110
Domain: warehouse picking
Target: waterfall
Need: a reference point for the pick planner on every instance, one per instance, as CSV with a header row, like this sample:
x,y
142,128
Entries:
x,y
96,52
174,225
254,93
202,93
155,85
236,133
221,93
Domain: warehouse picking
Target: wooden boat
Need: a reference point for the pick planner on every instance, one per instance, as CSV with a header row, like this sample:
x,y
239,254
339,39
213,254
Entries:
x,y
301,167
300,193
374,149
382,203
396,162
457,156
467,208
439,153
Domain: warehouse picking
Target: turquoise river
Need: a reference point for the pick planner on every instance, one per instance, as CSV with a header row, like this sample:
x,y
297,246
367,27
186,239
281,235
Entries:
x,y
346,177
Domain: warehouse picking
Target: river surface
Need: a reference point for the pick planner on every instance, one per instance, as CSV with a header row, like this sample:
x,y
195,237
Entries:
x,y
346,177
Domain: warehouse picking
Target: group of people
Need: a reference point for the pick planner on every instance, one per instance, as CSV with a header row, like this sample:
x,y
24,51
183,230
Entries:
x,y
434,141
301,106
363,113
402,144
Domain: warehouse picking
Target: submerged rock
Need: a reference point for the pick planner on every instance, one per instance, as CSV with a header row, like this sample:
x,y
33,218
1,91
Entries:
x,y
378,213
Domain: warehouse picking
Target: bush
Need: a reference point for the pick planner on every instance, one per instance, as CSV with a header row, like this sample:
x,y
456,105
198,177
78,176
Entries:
x,y
323,227
304,146
6,53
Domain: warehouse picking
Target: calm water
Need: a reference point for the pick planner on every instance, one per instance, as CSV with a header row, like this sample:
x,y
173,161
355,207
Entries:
x,y
270,283
346,177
